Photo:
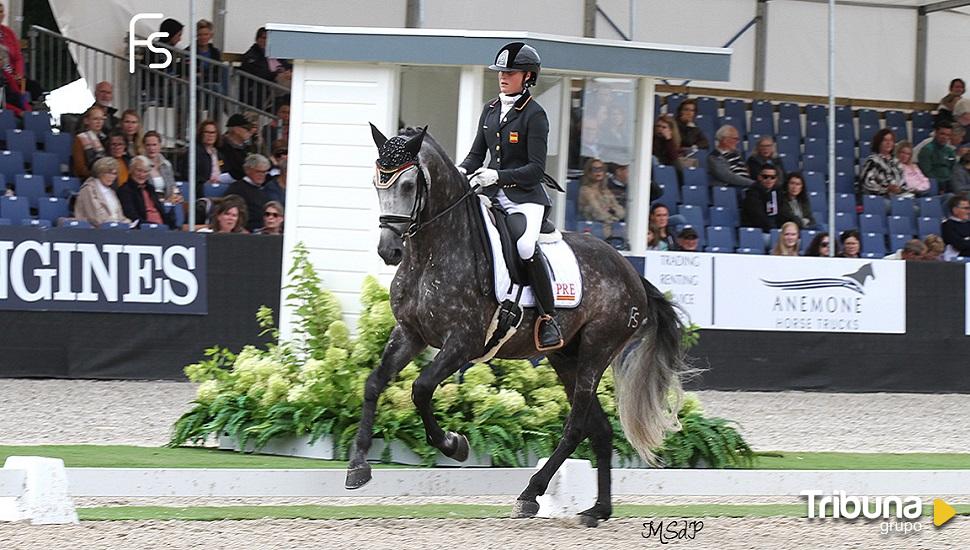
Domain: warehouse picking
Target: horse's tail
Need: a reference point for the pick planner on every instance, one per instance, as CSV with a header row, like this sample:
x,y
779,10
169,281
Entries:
x,y
648,376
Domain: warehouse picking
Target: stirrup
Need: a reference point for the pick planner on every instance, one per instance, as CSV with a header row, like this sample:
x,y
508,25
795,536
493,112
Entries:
x,y
545,318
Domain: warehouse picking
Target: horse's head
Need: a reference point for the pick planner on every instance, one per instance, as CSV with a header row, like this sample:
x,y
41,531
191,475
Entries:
x,y
401,190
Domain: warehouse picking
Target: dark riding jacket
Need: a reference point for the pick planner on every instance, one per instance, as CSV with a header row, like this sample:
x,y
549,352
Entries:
x,y
517,145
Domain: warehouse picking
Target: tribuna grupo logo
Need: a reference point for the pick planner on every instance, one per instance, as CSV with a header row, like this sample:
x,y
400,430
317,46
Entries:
x,y
899,514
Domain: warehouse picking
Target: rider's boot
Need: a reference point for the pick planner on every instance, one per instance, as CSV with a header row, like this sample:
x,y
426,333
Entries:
x,y
548,337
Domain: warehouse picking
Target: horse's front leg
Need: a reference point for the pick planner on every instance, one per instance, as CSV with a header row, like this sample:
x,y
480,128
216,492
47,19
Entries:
x,y
446,363
402,346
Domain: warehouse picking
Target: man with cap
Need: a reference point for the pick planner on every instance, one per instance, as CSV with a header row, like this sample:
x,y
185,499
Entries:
x,y
233,150
687,239
513,130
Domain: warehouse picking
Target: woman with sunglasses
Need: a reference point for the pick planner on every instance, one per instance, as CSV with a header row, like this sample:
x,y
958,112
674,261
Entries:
x,y
819,247
273,217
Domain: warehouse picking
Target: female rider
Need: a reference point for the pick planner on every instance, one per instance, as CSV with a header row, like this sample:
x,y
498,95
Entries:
x,y
514,129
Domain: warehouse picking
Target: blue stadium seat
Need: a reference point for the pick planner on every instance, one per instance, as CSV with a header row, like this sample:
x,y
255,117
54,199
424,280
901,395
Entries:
x,y
930,207
789,110
29,187
701,156
695,176
153,227
845,148
751,238
695,194
38,122
762,109
32,222
872,223
928,226
790,127
843,114
114,226
901,225
693,215
762,126
707,106
816,128
60,145
919,134
814,163
759,250
52,208
898,241
22,141
844,182
874,204
211,190
814,181
845,132
868,117
897,121
670,196
873,245
818,200
866,133
8,121
14,208
789,145
726,197
5,221
673,103
805,239
45,164
922,119
817,146
11,164
816,113
845,221
774,235
73,223
722,216
707,126
662,174
738,123
903,206
788,162
845,202
721,237
65,186
845,164
736,108
865,148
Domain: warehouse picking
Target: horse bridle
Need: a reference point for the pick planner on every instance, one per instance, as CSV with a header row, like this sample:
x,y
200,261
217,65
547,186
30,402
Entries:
x,y
414,225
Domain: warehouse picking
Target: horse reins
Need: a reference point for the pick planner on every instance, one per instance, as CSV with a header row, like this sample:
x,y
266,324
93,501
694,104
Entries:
x,y
414,225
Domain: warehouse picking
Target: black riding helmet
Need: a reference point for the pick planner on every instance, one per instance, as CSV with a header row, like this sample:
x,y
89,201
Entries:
x,y
518,56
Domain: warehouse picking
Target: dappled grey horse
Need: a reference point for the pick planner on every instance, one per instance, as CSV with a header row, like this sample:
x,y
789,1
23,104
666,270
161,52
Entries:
x,y
442,297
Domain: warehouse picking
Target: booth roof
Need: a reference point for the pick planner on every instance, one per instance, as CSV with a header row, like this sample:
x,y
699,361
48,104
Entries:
x,y
570,54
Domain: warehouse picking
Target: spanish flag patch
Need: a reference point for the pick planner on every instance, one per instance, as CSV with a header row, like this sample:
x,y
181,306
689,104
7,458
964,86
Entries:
x,y
513,137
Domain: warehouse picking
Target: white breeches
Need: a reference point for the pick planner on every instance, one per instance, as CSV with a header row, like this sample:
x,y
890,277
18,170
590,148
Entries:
x,y
534,213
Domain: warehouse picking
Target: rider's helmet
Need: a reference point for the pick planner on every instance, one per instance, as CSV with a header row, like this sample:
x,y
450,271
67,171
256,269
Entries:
x,y
518,56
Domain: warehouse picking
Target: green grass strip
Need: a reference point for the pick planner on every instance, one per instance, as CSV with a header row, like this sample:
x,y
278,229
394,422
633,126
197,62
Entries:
x,y
127,456
434,511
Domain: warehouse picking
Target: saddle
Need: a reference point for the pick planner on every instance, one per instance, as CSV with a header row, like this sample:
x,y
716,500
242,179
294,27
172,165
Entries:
x,y
510,229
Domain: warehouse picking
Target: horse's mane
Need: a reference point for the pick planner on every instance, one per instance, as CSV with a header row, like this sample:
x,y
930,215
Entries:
x,y
411,131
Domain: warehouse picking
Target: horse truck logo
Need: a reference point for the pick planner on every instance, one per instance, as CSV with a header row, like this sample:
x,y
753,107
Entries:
x,y
134,42
814,303
855,282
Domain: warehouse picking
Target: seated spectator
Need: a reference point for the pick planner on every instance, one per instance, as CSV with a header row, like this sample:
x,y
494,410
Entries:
x,y
765,154
937,158
934,248
131,129
725,165
162,173
660,219
761,206
881,174
961,115
208,160
654,242
956,228
97,202
228,216
690,134
819,247
89,144
687,240
913,179
139,199
117,150
789,240
666,140
273,217
795,205
250,189
912,251
949,101
960,180
276,183
596,201
103,97
233,151
278,129
851,244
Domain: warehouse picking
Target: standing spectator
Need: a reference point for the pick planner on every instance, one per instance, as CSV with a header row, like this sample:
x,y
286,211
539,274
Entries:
x,y
228,216
666,140
118,151
660,220
934,248
795,206
725,165
250,189
131,129
162,174
956,228
960,180
12,62
761,206
256,63
937,158
139,200
788,241
232,151
687,240
881,173
276,184
949,101
210,74
690,134
89,144
208,160
97,202
819,247
851,244
764,155
273,217
278,129
914,250
596,201
913,179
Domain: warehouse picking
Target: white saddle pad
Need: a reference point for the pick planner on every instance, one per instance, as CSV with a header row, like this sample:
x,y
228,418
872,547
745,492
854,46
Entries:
x,y
567,282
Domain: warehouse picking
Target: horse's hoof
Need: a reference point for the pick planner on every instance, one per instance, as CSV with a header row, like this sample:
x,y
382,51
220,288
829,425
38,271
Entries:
x,y
586,520
525,509
461,447
357,477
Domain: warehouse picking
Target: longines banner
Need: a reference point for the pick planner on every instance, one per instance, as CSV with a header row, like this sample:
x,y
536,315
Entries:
x,y
742,292
108,271
809,294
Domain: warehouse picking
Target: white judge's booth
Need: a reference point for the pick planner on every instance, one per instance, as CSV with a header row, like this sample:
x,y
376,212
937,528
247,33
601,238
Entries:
x,y
344,78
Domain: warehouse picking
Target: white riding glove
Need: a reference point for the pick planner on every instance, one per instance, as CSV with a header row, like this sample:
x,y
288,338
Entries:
x,y
461,169
484,177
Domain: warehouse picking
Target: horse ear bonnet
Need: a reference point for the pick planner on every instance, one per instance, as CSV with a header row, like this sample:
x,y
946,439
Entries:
x,y
379,138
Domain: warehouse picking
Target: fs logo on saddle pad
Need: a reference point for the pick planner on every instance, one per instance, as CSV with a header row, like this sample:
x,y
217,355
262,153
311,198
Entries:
x,y
567,282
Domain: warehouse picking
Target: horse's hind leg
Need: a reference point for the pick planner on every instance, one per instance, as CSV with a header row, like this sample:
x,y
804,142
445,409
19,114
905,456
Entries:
x,y
401,348
446,363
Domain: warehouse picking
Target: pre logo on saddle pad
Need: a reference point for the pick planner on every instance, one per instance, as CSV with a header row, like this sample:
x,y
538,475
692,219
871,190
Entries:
x,y
567,282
